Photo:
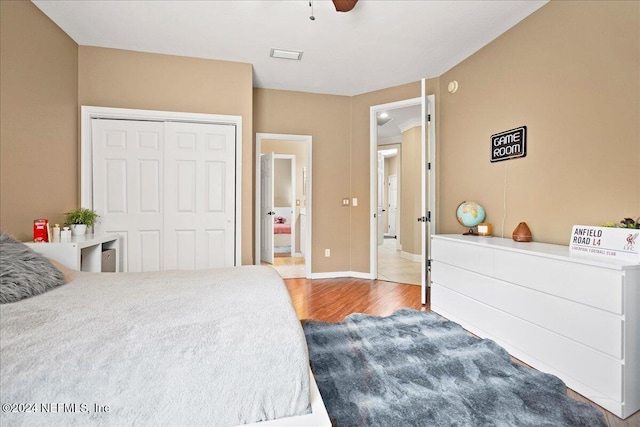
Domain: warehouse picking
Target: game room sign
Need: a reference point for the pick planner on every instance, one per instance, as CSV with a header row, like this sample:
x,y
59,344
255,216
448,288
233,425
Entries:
x,y
509,144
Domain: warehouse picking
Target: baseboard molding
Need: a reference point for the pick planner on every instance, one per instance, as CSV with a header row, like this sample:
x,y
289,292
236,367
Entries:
x,y
411,257
340,274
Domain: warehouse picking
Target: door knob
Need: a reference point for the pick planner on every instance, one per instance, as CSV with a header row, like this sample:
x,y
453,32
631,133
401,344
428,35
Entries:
x,y
271,213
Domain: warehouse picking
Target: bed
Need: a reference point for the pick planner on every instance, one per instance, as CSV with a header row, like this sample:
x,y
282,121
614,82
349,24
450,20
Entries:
x,y
210,347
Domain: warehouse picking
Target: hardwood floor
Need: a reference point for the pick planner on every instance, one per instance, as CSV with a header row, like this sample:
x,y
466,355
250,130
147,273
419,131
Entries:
x,y
330,300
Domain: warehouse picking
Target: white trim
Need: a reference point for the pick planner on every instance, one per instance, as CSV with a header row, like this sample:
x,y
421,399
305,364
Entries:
x,y
87,113
424,204
411,257
430,177
339,274
309,199
405,126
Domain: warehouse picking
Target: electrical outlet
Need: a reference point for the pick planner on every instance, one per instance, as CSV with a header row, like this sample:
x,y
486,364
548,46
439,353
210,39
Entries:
x,y
345,202
327,252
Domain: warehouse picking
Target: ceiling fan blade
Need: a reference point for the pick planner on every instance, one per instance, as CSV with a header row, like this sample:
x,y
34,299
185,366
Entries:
x,y
344,5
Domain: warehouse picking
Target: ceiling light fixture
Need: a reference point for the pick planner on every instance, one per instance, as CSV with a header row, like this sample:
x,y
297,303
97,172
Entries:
x,y
383,118
286,54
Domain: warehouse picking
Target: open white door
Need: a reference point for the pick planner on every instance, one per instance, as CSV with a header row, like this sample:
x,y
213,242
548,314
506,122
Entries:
x,y
266,207
428,187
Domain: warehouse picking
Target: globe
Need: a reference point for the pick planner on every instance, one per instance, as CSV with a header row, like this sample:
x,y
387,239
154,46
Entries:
x,y
470,214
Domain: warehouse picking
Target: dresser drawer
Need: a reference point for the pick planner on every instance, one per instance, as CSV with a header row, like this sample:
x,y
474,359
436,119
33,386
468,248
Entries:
x,y
597,287
464,256
595,328
581,368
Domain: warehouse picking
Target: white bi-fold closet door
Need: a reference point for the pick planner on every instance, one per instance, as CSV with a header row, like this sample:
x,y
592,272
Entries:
x,y
168,189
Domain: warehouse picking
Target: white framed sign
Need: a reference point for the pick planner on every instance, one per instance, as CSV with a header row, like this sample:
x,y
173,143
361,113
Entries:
x,y
608,242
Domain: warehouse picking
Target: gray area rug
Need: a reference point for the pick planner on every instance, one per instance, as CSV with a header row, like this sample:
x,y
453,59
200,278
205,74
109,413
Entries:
x,y
417,369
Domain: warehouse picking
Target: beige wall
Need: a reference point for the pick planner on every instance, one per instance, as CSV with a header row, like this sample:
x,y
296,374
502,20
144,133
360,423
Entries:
x,y
360,161
571,73
282,188
341,163
38,113
391,167
126,79
410,235
327,119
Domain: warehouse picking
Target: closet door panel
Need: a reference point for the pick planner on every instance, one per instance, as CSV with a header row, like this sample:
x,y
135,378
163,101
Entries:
x,y
200,160
128,188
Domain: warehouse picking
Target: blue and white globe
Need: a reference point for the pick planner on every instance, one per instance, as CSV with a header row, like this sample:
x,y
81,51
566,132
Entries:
x,y
470,214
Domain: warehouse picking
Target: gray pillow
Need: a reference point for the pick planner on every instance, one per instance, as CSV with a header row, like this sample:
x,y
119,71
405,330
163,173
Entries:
x,y
23,272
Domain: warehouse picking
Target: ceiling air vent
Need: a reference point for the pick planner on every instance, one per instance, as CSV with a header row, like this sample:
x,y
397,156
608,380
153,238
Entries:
x,y
286,54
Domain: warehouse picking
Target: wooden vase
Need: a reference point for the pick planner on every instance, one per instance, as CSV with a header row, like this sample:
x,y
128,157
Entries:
x,y
522,233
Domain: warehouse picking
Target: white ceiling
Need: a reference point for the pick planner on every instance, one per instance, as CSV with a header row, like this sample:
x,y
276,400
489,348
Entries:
x,y
401,119
379,44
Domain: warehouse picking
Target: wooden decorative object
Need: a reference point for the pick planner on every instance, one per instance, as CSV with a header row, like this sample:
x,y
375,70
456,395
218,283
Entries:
x,y
344,5
522,233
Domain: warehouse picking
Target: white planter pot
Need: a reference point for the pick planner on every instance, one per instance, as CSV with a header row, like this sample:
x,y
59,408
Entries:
x,y
78,229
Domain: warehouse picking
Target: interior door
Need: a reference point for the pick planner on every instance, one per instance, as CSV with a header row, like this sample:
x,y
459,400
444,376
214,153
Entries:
x,y
266,207
199,202
128,188
393,203
428,187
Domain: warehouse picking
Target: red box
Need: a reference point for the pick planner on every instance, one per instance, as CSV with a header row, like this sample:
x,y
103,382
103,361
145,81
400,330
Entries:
x,y
40,230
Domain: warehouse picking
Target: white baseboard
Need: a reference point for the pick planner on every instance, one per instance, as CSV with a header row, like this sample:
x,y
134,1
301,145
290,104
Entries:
x,y
411,257
339,274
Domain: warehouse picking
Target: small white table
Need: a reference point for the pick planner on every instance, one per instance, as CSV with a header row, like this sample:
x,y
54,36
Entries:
x,y
82,253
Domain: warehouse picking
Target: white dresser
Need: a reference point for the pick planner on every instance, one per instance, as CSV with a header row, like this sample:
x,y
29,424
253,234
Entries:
x,y
576,317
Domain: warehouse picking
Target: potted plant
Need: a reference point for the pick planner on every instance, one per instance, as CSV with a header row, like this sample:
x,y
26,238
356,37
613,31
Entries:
x,y
625,223
79,219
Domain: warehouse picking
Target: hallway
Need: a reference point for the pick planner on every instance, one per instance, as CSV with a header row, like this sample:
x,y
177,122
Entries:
x,y
393,268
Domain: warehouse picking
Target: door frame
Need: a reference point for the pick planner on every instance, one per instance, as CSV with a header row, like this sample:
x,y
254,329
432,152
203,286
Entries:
x,y
307,189
87,113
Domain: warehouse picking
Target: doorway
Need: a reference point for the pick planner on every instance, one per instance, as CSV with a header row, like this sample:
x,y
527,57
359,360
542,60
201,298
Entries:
x,y
398,148
283,203
417,217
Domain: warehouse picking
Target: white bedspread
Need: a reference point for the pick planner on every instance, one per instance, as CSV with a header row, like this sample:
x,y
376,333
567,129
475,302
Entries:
x,y
216,347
